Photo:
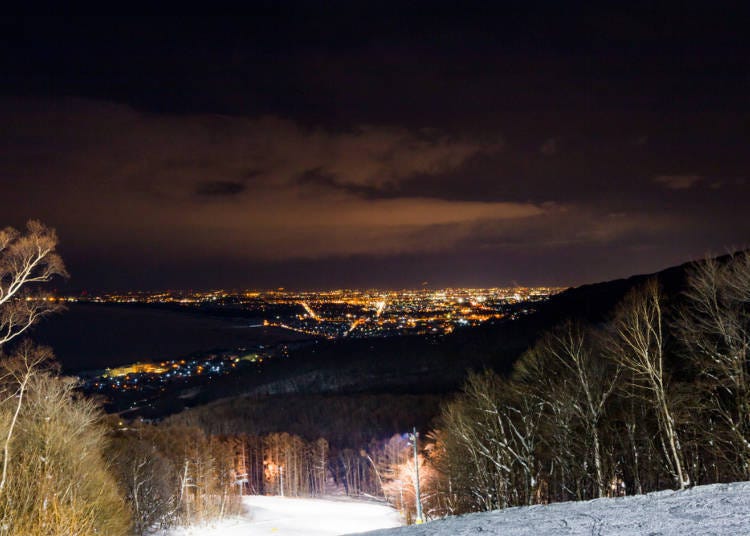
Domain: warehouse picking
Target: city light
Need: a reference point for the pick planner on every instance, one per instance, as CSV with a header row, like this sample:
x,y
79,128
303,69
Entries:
x,y
318,315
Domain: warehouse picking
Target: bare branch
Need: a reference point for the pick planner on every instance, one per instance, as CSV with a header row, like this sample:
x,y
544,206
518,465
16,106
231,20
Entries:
x,y
26,260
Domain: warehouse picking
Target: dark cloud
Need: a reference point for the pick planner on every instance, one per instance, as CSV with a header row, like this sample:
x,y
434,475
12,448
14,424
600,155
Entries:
x,y
678,182
317,178
305,192
357,147
110,177
219,188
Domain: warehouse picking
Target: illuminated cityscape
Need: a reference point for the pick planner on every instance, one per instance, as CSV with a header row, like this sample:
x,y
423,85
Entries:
x,y
138,384
334,314
315,315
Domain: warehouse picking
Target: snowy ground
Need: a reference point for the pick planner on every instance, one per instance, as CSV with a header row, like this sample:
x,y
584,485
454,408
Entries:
x,y
284,516
719,509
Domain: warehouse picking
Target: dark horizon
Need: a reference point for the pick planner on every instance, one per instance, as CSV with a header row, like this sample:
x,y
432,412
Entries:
x,y
379,146
68,287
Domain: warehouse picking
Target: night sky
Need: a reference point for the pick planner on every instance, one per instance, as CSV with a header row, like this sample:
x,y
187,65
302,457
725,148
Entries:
x,y
349,144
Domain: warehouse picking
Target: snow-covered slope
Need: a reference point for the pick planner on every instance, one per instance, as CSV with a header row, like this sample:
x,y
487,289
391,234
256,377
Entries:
x,y
280,516
719,509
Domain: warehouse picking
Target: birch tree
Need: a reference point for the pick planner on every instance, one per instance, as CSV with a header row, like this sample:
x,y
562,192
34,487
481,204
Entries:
x,y
567,372
714,326
26,260
638,346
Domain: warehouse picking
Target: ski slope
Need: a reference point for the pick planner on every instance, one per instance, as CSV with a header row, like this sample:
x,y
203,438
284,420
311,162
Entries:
x,y
718,509
285,516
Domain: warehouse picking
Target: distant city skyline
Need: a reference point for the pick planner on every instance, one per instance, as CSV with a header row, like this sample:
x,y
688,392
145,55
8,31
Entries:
x,y
353,313
372,145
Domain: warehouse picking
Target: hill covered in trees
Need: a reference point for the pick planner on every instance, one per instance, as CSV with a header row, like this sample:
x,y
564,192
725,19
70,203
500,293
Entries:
x,y
398,371
618,388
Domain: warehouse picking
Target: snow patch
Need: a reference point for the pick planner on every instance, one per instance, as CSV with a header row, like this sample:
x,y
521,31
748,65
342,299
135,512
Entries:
x,y
286,516
717,509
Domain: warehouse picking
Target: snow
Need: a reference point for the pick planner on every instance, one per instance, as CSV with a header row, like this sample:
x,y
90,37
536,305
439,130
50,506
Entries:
x,y
718,509
285,516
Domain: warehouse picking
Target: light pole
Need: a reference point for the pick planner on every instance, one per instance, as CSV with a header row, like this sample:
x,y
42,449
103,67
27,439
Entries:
x,y
414,436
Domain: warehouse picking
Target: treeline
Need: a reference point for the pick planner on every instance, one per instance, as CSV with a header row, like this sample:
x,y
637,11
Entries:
x,y
658,397
359,463
331,444
344,420
286,464
173,475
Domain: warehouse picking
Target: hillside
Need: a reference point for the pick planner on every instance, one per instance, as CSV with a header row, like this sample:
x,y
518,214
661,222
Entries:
x,y
718,509
418,365
399,381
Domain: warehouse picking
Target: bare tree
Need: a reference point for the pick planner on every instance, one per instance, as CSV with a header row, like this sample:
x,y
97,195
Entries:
x,y
17,371
480,472
319,452
497,431
714,326
574,380
638,346
25,259
146,477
